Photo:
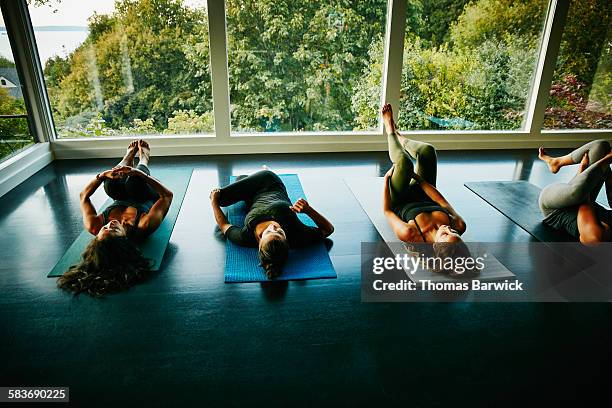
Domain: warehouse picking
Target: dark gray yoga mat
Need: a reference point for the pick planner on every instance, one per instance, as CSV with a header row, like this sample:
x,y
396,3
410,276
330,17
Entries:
x,y
155,245
518,200
368,191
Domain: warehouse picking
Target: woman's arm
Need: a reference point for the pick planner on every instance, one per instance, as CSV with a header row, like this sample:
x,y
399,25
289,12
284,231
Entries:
x,y
91,220
432,192
302,206
220,217
158,211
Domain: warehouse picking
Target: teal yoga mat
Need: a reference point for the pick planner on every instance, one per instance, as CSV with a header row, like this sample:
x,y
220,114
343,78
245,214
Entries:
x,y
311,262
155,245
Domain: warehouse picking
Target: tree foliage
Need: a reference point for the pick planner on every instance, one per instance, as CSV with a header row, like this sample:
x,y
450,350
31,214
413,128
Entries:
x,y
313,65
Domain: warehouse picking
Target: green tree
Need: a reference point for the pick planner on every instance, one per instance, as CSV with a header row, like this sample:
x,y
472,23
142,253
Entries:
x,y
14,132
495,19
133,65
295,65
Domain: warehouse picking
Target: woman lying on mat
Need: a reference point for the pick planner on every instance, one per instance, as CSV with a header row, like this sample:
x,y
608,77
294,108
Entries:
x,y
415,209
271,222
571,206
112,261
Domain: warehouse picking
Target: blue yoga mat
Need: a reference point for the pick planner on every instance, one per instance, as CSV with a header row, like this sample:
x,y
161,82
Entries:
x,y
155,245
242,263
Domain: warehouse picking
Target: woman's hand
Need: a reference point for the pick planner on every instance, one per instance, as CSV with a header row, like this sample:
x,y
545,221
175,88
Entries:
x,y
214,195
111,174
301,206
127,171
389,172
418,178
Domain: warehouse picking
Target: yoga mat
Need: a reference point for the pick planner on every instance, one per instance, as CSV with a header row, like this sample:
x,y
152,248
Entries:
x,y
368,192
518,200
242,263
155,245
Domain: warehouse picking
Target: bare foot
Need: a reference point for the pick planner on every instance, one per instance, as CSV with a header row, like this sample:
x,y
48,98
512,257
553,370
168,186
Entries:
x,y
584,163
128,159
552,162
144,152
387,115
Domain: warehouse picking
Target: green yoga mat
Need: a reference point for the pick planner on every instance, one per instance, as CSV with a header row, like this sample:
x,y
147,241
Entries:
x,y
155,245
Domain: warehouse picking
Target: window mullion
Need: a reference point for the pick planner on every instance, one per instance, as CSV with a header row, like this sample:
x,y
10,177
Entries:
x,y
394,55
549,50
21,36
218,68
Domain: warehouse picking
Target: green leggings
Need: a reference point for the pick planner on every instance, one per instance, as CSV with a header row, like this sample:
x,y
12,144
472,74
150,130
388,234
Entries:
x,y
402,152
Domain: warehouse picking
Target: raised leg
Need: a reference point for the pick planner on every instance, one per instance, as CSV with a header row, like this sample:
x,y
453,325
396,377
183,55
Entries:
x,y
128,159
595,149
583,188
401,152
144,152
115,189
138,189
245,188
426,159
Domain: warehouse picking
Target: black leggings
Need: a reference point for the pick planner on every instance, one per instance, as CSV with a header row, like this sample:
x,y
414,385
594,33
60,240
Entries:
x,y
247,187
131,188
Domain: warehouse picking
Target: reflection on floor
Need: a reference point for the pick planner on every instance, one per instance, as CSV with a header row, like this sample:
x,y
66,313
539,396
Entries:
x,y
186,337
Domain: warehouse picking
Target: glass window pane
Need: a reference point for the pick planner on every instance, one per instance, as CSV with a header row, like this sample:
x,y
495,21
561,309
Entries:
x,y
581,92
125,67
14,131
305,65
469,65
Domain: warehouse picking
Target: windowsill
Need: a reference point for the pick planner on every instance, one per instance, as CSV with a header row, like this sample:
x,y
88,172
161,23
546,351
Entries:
x,y
134,136
23,165
562,131
24,154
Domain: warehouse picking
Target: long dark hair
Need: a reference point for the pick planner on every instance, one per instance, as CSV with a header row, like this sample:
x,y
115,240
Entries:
x,y
108,265
273,255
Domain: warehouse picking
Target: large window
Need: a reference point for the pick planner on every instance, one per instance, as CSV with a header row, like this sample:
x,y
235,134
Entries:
x,y
305,65
469,65
14,131
142,67
125,67
581,92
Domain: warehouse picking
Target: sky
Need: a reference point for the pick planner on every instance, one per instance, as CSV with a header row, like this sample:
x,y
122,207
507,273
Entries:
x,y
76,12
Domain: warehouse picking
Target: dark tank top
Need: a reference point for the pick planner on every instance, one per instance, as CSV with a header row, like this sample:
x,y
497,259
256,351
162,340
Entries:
x,y
141,208
410,211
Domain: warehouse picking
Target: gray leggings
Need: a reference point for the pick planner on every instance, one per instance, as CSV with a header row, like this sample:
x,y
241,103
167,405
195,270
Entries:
x,y
402,152
584,187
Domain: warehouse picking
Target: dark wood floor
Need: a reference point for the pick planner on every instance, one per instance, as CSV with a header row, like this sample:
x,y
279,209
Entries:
x,y
185,337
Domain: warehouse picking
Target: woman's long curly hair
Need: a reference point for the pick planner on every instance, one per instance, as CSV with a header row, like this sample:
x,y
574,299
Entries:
x,y
109,265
